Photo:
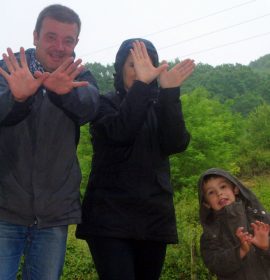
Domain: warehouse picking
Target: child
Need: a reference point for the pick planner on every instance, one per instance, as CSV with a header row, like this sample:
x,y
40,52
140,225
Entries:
x,y
235,239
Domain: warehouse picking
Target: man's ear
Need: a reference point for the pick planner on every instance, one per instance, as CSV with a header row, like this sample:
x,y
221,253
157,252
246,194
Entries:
x,y
236,190
206,205
35,38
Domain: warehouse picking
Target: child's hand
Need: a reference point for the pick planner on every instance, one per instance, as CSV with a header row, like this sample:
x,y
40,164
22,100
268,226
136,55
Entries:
x,y
244,238
261,235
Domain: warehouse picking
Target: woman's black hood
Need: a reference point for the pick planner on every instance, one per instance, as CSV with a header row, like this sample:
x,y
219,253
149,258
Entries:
x,y
122,55
249,199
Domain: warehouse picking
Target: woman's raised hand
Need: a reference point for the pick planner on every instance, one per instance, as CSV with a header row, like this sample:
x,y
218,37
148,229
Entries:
x,y
144,68
177,75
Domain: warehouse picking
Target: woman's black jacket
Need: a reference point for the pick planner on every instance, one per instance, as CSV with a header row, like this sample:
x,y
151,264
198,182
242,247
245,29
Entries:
x,y
129,194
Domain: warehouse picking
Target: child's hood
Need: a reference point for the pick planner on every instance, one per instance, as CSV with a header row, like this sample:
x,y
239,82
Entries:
x,y
245,194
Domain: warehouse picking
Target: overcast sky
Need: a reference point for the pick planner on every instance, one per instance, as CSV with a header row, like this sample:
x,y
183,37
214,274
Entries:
x,y
209,31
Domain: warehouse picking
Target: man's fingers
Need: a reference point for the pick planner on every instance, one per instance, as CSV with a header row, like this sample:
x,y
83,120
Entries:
x,y
63,67
73,67
37,74
77,72
41,77
4,73
23,58
80,84
10,67
13,61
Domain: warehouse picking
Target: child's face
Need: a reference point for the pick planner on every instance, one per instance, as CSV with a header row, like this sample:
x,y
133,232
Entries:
x,y
219,192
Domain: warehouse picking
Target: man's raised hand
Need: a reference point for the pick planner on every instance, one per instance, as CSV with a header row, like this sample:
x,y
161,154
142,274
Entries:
x,y
61,81
21,82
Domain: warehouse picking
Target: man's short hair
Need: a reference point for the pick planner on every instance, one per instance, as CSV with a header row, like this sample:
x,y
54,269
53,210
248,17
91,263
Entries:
x,y
60,13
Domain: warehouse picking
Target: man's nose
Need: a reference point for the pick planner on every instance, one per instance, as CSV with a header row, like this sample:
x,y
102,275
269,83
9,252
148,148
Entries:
x,y
59,44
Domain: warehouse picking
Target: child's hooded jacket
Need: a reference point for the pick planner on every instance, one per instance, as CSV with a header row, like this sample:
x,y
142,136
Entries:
x,y
219,244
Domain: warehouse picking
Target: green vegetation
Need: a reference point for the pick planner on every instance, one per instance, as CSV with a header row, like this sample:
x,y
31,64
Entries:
x,y
183,261
227,111
261,65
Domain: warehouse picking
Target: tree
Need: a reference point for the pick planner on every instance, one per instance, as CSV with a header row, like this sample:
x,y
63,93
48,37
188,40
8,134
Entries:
x,y
255,148
245,88
214,138
103,75
261,65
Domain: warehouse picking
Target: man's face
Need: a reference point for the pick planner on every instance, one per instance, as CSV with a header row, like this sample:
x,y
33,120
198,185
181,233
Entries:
x,y
55,43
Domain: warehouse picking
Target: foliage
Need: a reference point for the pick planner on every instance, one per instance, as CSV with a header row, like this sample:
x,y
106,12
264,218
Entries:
x,y
198,78
246,103
260,186
84,152
258,125
255,148
262,64
214,133
103,75
238,83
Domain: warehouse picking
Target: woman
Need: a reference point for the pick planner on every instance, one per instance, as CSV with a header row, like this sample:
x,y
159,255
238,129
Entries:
x,y
128,212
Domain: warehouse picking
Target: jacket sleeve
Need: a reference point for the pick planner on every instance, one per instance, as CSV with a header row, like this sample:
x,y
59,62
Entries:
x,y
218,259
120,121
11,111
174,137
82,103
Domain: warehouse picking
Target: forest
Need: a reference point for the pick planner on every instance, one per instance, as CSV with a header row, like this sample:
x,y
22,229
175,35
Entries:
x,y
227,112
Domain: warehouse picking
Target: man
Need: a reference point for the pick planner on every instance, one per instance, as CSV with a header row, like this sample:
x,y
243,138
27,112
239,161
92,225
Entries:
x,y
44,96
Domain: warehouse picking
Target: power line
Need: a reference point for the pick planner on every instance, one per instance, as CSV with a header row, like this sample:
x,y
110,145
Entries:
x,y
173,27
214,31
225,45
200,18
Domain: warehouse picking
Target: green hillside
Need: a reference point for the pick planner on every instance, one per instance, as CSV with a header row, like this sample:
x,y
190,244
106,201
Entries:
x,y
262,64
